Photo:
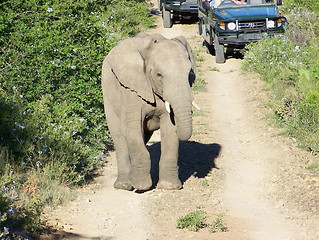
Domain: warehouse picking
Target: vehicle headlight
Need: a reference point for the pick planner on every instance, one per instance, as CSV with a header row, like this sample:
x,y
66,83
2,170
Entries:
x,y
231,26
279,22
222,25
270,24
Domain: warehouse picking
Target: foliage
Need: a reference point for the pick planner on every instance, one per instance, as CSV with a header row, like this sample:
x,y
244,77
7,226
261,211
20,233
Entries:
x,y
218,224
205,183
213,69
196,220
289,64
53,131
193,221
199,84
17,213
310,4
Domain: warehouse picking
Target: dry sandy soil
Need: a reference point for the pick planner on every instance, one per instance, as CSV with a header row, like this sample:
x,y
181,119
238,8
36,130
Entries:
x,y
235,164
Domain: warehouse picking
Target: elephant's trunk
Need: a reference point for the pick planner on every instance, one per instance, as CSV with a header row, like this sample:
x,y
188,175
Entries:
x,y
182,109
184,125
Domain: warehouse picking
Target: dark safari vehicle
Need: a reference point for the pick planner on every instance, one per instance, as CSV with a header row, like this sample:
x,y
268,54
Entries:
x,y
235,23
177,8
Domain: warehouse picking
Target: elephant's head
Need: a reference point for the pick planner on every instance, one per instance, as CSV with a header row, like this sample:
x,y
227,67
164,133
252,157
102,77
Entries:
x,y
163,67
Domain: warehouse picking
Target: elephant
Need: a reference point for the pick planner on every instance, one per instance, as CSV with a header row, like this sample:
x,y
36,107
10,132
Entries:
x,y
146,85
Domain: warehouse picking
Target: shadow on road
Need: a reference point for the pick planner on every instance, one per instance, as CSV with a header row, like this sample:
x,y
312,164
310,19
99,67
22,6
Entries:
x,y
195,158
230,53
60,234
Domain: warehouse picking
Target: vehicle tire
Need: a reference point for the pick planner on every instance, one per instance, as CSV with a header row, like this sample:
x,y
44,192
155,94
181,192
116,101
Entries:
x,y
219,51
200,27
167,19
204,31
208,47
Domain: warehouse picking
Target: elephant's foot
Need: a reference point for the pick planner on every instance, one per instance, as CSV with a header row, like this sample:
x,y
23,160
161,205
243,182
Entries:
x,y
141,182
169,185
123,184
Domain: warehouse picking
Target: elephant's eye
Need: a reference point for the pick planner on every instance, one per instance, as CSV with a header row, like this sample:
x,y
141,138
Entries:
x,y
159,75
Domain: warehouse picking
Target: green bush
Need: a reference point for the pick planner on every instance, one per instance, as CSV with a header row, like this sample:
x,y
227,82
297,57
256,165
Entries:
x,y
290,65
193,221
197,220
51,110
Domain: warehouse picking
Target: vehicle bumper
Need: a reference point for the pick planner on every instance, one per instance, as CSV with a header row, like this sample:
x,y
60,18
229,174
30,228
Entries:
x,y
243,38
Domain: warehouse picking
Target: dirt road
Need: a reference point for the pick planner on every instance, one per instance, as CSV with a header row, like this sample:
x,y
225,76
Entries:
x,y
235,165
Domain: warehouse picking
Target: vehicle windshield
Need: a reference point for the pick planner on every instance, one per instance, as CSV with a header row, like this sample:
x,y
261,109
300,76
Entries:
x,y
226,3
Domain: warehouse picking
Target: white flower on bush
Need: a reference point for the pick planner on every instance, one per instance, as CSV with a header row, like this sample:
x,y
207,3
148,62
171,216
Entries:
x,y
50,10
19,126
6,230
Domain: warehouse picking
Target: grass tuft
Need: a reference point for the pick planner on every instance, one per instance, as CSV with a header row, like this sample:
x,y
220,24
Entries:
x,y
218,225
193,221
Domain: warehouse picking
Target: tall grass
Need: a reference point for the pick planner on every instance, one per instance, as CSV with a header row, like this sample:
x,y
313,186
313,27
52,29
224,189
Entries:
x,y
290,66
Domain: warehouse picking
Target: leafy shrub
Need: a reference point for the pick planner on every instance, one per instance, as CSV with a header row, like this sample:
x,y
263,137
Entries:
x,y
196,220
52,125
193,221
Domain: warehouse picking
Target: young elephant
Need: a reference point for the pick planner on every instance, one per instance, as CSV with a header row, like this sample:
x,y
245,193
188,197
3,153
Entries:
x,y
146,86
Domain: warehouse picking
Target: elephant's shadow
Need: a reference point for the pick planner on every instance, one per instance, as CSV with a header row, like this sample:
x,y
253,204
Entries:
x,y
194,159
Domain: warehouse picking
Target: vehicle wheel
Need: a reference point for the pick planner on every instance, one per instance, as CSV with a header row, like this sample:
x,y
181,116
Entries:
x,y
219,51
167,19
208,47
204,32
200,27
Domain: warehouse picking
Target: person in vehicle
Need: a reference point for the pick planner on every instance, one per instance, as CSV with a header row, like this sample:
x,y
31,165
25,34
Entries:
x,y
232,2
207,4
240,1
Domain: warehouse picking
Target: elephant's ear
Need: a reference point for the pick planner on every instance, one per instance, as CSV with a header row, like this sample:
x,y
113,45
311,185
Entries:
x,y
185,43
128,66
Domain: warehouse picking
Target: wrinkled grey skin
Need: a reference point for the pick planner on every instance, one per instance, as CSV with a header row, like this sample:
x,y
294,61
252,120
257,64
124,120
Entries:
x,y
138,76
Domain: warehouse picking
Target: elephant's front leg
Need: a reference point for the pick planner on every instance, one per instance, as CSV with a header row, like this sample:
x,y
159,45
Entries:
x,y
139,176
168,169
